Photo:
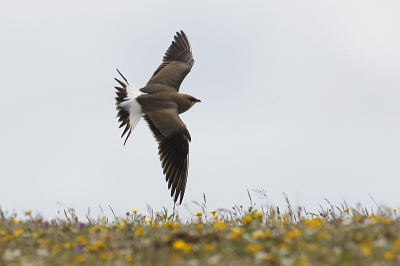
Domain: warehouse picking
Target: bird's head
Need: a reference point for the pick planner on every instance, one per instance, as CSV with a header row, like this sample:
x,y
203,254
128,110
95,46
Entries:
x,y
186,102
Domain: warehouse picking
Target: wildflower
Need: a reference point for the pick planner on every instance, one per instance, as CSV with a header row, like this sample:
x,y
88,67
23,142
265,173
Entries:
x,y
220,226
121,226
247,220
104,256
170,225
128,258
315,223
79,248
95,229
18,232
82,240
80,258
259,215
97,246
150,220
389,255
183,246
258,234
366,250
294,234
198,214
28,213
15,221
209,247
57,248
394,210
135,211
237,233
346,210
254,248
139,231
81,226
213,212
8,238
67,244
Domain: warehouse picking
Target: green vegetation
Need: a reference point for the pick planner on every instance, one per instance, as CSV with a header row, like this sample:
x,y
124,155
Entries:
x,y
240,236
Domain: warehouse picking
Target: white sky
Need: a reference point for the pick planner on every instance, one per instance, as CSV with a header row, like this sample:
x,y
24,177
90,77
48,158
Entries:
x,y
297,97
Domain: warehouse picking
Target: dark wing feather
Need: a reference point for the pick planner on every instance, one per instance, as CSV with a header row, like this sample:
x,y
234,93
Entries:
x,y
179,50
177,63
174,157
123,114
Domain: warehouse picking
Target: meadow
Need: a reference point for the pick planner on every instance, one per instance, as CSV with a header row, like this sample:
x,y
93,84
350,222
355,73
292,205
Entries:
x,y
337,235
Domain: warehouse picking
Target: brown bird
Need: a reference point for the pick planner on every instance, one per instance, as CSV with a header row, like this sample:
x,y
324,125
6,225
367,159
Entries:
x,y
160,103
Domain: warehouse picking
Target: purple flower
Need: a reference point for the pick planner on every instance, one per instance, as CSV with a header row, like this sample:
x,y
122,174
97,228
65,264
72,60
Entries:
x,y
45,225
81,225
79,248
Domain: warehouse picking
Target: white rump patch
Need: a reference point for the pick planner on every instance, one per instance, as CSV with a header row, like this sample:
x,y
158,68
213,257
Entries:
x,y
132,106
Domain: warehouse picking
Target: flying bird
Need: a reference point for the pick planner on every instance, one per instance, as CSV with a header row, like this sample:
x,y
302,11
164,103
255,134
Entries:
x,y
160,103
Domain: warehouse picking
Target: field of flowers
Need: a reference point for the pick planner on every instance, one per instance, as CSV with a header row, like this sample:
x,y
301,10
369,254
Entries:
x,y
240,236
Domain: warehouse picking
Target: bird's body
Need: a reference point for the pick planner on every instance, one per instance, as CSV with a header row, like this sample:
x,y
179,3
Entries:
x,y
160,103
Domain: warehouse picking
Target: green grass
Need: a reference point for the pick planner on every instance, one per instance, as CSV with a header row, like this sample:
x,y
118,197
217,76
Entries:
x,y
240,236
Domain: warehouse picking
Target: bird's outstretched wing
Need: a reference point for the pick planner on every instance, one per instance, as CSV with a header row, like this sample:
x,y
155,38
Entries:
x,y
173,148
177,63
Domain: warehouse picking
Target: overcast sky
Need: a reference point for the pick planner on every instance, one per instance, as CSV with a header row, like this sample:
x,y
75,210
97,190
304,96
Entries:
x,y
301,97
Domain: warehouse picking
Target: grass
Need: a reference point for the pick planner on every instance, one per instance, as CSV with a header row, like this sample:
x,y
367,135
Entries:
x,y
240,236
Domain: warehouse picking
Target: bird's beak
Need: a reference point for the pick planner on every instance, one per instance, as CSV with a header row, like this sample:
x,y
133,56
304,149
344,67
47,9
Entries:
x,y
198,101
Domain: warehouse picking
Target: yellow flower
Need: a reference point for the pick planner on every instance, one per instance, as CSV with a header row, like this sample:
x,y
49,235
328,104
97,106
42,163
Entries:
x,y
80,258
389,255
121,226
170,225
198,214
82,240
135,211
95,229
209,247
139,231
8,238
104,256
149,220
57,248
346,210
366,250
183,246
237,233
18,232
213,212
97,246
259,215
247,220
294,234
315,223
258,234
67,244
220,226
394,210
15,221
254,248
28,213
128,258
3,232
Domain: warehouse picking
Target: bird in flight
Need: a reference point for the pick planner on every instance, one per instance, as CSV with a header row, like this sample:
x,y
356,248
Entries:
x,y
160,103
